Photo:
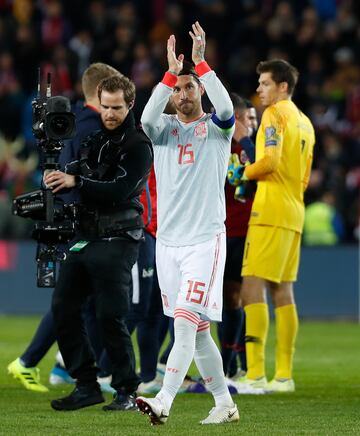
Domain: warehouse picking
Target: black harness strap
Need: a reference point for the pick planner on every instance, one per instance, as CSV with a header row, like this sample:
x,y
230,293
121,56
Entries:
x,y
111,156
117,145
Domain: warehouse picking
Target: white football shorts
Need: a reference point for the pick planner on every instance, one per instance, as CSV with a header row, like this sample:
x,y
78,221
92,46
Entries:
x,y
191,277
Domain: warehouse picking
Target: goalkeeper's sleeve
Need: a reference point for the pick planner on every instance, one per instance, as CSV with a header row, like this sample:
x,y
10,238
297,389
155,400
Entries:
x,y
266,165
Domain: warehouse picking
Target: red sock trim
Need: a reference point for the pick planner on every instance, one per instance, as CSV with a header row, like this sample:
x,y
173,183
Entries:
x,y
203,325
186,314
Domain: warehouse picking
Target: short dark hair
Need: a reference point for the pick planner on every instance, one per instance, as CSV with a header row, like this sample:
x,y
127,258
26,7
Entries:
x,y
248,103
238,102
118,83
188,69
281,71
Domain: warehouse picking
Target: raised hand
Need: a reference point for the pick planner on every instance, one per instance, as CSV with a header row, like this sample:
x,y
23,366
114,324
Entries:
x,y
198,49
175,62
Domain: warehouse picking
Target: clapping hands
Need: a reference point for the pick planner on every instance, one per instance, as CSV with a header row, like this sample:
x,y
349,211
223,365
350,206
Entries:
x,y
198,49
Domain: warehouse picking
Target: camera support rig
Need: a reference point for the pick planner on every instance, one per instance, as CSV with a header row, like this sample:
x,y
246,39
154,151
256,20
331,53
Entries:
x,y
55,223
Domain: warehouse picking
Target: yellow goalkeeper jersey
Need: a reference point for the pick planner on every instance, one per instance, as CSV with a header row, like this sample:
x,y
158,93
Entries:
x,y
284,150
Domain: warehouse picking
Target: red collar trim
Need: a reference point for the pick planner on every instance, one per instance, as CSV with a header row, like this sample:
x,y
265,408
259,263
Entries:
x,y
195,119
93,108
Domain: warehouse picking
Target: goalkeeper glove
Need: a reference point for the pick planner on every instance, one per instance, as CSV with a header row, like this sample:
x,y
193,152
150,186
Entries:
x,y
239,194
235,172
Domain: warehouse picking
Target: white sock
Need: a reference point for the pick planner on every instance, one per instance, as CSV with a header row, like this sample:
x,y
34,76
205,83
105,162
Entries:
x,y
208,360
181,355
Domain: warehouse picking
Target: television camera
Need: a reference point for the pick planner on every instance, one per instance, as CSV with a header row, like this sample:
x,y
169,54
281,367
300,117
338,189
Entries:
x,y
55,222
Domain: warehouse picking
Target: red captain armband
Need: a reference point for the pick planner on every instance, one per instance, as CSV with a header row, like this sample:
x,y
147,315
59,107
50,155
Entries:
x,y
169,79
202,68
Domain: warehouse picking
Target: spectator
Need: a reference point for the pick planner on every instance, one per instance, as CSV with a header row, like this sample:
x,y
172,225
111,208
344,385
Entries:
x,y
323,224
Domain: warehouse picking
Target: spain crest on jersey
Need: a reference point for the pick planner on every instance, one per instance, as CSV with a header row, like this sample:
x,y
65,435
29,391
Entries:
x,y
201,130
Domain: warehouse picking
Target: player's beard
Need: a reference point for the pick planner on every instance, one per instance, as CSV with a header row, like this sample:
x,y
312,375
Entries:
x,y
188,108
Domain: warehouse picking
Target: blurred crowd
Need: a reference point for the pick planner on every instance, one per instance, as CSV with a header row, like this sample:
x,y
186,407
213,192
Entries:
x,y
320,37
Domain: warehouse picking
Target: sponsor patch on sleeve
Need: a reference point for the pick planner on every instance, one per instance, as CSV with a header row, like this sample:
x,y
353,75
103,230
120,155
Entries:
x,y
271,137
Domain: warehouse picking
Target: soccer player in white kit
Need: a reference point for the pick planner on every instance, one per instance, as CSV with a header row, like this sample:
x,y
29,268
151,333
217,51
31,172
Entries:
x,y
191,154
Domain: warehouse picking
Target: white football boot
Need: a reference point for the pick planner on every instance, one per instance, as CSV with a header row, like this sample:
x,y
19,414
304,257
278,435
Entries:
x,y
154,408
222,415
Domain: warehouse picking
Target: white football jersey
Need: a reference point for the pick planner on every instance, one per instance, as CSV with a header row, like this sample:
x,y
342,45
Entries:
x,y
190,161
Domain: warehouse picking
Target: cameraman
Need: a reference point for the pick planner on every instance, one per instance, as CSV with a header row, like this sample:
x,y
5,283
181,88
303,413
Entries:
x,y
88,120
110,174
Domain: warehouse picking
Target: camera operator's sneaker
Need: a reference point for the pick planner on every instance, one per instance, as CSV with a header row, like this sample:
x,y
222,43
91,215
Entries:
x,y
281,385
122,402
222,415
59,375
81,396
29,377
154,408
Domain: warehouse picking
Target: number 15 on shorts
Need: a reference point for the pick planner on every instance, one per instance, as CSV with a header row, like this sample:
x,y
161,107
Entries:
x,y
196,291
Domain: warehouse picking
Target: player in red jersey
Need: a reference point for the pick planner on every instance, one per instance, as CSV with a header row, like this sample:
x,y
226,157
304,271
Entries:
x,y
238,208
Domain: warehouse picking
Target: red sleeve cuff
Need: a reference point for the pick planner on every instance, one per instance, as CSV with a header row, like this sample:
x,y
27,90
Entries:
x,y
202,68
169,79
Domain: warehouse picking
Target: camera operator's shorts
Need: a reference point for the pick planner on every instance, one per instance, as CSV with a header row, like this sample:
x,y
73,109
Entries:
x,y
191,277
271,253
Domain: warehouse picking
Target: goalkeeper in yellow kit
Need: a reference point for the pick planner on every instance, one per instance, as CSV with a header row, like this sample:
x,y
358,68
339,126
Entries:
x,y
284,149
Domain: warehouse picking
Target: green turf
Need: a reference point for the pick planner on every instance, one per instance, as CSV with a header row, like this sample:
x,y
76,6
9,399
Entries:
x,y
326,402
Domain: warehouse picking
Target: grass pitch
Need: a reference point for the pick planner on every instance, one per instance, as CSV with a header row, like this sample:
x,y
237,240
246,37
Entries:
x,y
326,401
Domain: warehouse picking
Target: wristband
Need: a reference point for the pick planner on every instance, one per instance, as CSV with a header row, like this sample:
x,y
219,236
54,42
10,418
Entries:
x,y
202,68
169,79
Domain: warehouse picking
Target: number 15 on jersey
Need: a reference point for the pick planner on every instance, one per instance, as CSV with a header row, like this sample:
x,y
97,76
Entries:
x,y
186,154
